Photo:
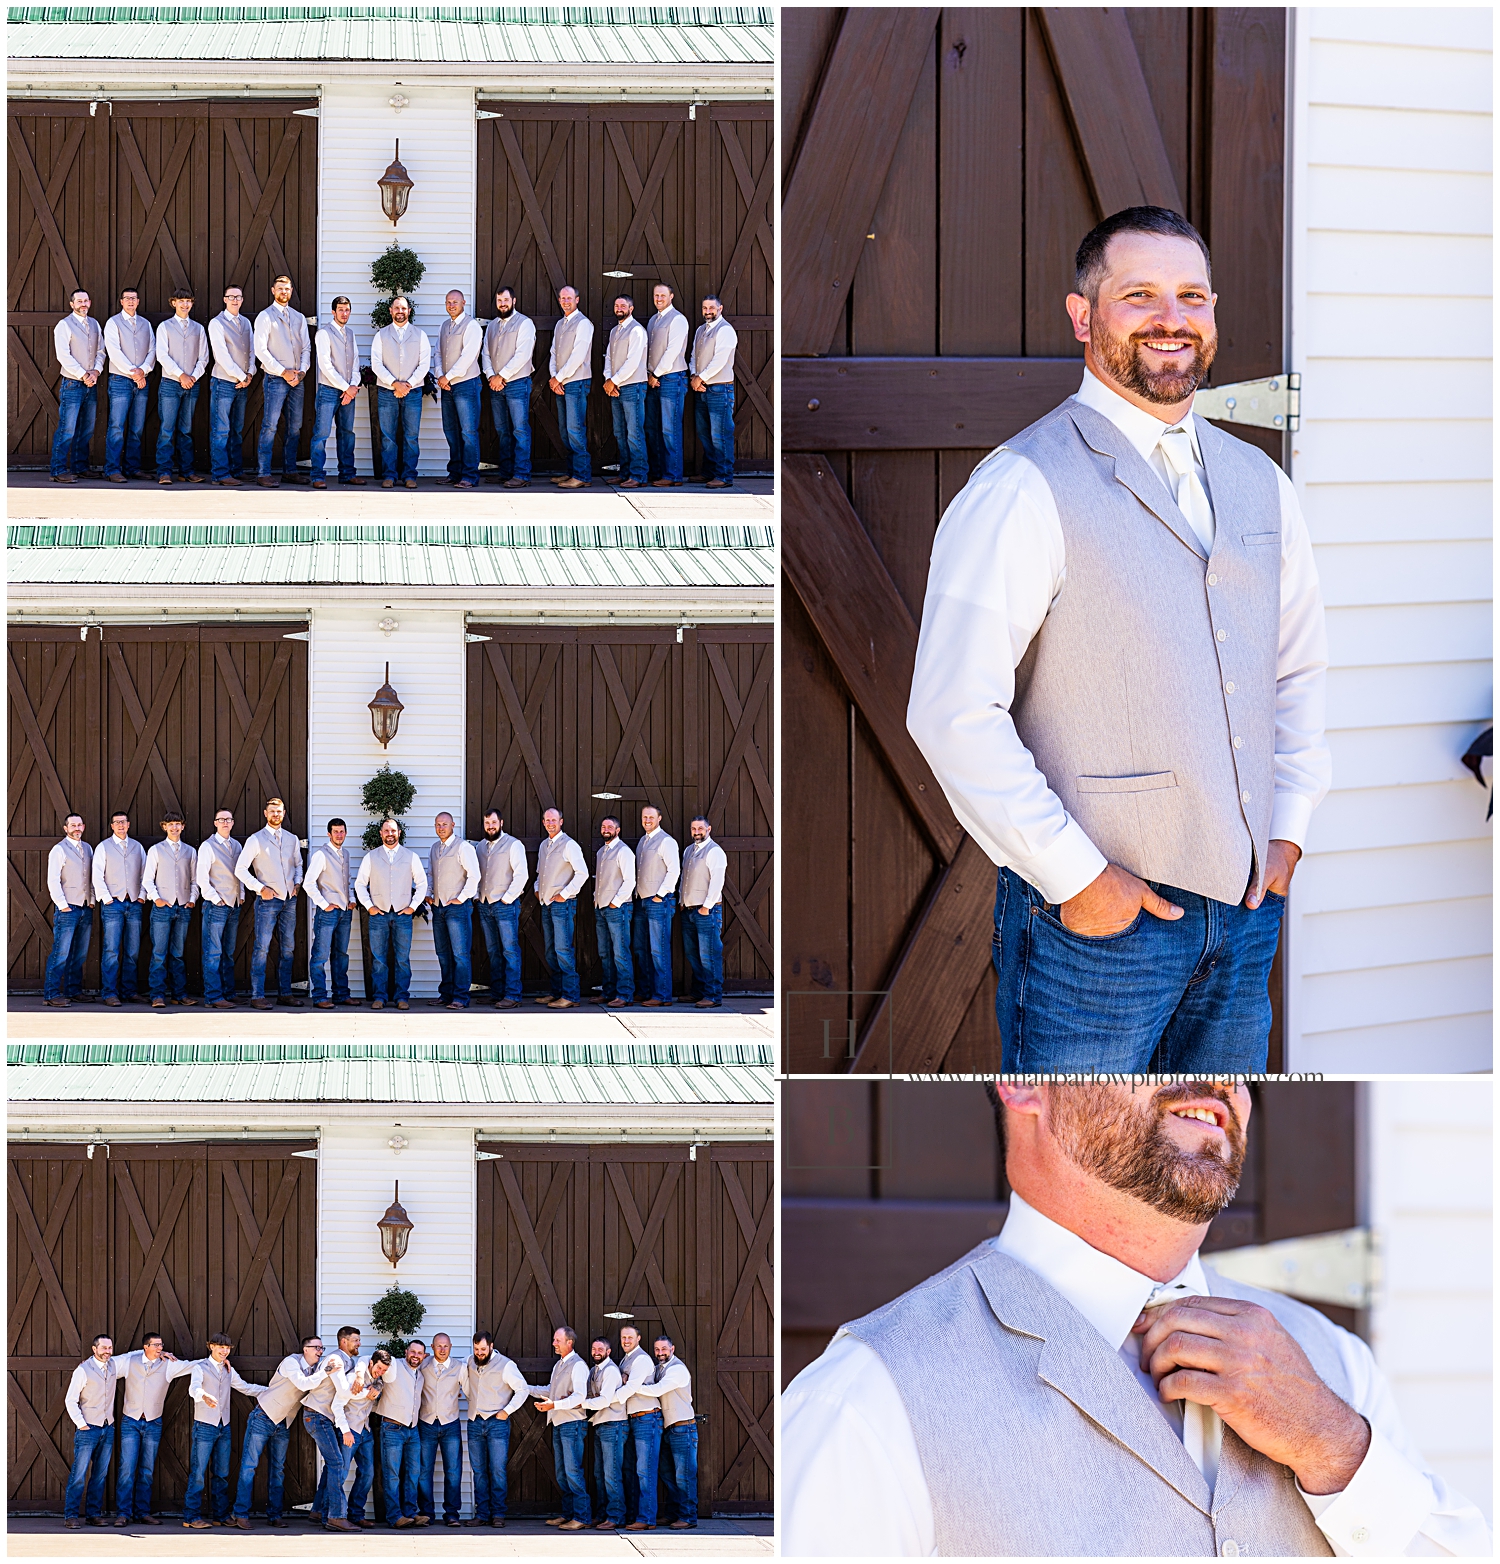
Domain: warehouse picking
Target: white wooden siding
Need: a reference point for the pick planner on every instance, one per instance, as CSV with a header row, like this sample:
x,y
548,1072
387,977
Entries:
x,y
1430,1202
1389,941
347,654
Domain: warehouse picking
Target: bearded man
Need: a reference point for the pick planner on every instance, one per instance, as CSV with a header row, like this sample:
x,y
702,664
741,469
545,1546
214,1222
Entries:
x,y
1120,687
1084,1385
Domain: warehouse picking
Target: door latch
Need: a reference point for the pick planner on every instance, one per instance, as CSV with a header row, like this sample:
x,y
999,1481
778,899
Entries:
x,y
1275,403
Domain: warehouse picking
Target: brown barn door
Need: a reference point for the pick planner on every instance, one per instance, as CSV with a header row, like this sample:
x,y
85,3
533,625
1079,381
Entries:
x,y
181,1239
678,1242
600,722
615,198
942,167
145,718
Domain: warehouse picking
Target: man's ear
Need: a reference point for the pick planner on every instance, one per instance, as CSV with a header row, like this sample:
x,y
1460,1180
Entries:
x,y
1021,1099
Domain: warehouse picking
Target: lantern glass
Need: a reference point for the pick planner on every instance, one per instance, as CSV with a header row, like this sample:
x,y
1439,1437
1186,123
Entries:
x,y
385,711
395,189
395,1229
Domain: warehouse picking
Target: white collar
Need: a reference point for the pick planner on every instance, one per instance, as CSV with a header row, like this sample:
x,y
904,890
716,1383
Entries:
x,y
1144,430
1105,1291
390,852
400,330
649,834
167,841
275,830
462,320
328,843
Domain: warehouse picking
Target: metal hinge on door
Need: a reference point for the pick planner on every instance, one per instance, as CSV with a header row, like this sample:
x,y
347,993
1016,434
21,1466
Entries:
x,y
1328,1268
1275,403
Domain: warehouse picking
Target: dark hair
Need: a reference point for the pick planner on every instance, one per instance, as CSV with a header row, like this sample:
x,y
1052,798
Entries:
x,y
219,1339
668,286
664,1337
624,298
717,300
347,1330
150,1336
483,1335
341,299
495,812
505,287
317,1336
181,293
380,1355
416,1341
704,818
135,291
102,1336
570,1333
1089,263
336,821
74,294
172,815
603,1341
993,1093
613,818
119,814
650,804
74,815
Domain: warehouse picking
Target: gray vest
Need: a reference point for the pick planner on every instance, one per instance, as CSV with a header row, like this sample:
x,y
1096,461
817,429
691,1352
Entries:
x,y
146,1384
357,1413
239,343
561,1386
86,338
400,358
343,354
282,1402
123,864
77,873
620,345
283,338
175,873
333,880
186,339
1148,696
223,855
401,1394
609,875
638,1403
500,342
651,864
445,869
697,869
320,1397
676,1405
392,882
136,337
1066,1416
553,871
596,1389
495,878
568,327
275,862
96,1400
217,1382
451,344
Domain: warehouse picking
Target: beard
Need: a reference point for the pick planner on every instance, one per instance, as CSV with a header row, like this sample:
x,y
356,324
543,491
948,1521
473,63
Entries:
x,y
1126,1144
1124,358
493,836
503,313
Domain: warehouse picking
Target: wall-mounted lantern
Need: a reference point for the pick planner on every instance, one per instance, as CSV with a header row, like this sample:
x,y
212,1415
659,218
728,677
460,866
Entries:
x,y
395,1228
385,711
395,188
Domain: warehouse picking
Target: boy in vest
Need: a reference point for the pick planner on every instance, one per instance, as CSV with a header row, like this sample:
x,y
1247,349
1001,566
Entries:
x,y
231,341
131,346
625,385
560,874
269,1428
170,882
1140,753
569,370
502,879
505,359
400,1442
643,1419
704,865
119,864
79,345
658,863
209,1386
148,1374
90,1405
338,392
182,352
391,885
270,867
220,893
495,1390
611,1430
283,348
666,389
364,1395
713,379
459,386
453,881
562,1400
329,888
614,906
70,874
672,1385
400,355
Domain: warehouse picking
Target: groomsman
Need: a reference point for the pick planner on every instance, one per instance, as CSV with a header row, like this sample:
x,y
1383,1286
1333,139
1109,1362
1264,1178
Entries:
x,y
119,863
713,379
437,1427
79,345
338,390
220,893
182,352
270,866
70,870
325,1419
495,1390
170,881
658,863
90,1404
147,1374
509,345
459,386
611,1431
614,893
560,874
283,346
131,346
212,1380
400,1443
269,1429
400,355
453,875
703,868
502,879
391,885
231,340
625,382
562,1400
643,1414
569,370
672,1385
364,1392
328,886
666,389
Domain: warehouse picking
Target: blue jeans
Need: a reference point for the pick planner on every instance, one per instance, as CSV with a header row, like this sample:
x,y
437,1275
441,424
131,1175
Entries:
x,y
169,932
226,429
1187,997
511,410
330,954
629,413
453,936
681,1471
92,1448
122,949
640,1467
489,1451
715,417
77,407
461,428
331,413
664,426
651,940
174,407
557,937
390,954
278,395
262,1434
612,926
63,978
444,1436
274,919
335,1453
362,1459
703,944
609,1467
400,1456
501,926
567,1466
139,1437
401,414
210,1454
127,418
573,427
220,927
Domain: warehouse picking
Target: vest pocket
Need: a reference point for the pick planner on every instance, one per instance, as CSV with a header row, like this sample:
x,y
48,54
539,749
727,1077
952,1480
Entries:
x,y
1259,539
1141,784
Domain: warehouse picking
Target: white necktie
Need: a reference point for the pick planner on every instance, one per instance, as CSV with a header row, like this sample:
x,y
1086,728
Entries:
x,y
1202,1428
1176,447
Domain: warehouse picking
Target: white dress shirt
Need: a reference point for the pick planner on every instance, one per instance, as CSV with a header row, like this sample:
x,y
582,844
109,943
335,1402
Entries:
x,y
854,1482
610,1381
54,871
317,862
205,867
62,343
418,874
296,323
671,856
573,857
324,346
516,854
219,346
170,368
75,1389
101,891
577,365
248,855
197,1392
714,343
579,1395
522,343
997,564
625,353
667,340
470,861
400,333
156,857
120,362
468,351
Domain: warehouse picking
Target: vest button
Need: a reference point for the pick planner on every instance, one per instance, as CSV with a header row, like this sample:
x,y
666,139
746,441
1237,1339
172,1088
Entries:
x,y
1221,635
1244,798
1230,1549
1238,741
1213,580
1229,688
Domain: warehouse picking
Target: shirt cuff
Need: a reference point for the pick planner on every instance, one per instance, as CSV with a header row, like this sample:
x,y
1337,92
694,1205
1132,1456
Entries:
x,y
1072,862
1381,1510
1291,814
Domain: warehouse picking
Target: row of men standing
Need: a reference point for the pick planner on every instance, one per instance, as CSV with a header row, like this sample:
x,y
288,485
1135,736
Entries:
x,y
648,370
631,1408
636,893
